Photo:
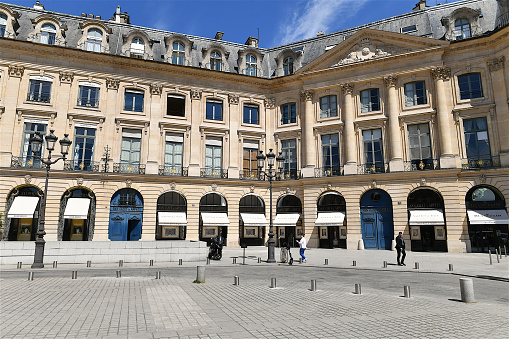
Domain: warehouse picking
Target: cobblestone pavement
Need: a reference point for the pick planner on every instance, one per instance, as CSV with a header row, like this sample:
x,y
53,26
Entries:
x,y
99,305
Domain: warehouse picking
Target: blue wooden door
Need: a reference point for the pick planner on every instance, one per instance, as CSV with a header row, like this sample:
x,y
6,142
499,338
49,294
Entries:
x,y
376,219
117,228
372,230
126,215
134,228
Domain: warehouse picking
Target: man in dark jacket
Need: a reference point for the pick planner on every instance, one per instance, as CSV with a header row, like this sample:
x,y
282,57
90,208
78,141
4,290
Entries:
x,y
400,248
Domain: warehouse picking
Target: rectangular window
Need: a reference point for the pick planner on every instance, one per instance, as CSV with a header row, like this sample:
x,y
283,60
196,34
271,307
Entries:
x,y
48,38
176,105
330,154
84,139
370,100
39,91
213,158
477,141
470,86
249,163
26,150
173,152
131,147
289,149
133,100
288,113
419,142
2,31
88,96
251,114
415,93
328,106
373,150
214,110
409,29
94,45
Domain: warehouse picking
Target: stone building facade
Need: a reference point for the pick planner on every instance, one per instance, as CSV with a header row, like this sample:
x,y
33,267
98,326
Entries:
x,y
397,125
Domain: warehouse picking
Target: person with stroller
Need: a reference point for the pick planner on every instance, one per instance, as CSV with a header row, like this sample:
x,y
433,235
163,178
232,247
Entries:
x,y
302,243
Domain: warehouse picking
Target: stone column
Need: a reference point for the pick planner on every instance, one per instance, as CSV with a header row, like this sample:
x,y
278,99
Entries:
x,y
440,75
350,166
308,145
233,119
195,140
496,67
396,154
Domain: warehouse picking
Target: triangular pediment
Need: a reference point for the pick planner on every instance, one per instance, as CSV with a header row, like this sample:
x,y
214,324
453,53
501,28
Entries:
x,y
369,45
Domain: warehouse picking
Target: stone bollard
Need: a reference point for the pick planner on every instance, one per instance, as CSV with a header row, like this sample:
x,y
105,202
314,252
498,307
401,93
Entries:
x,y
234,260
358,289
491,260
259,260
236,280
272,282
208,261
151,263
158,275
30,275
19,264
200,274
385,264
119,274
467,290
354,263
326,262
416,265
500,252
55,264
74,275
313,285
120,263
180,262
360,245
505,251
451,268
406,291
89,263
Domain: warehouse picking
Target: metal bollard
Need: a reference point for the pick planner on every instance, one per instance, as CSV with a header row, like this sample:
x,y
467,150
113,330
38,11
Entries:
x,y
89,263
326,262
354,263
467,290
120,263
385,264
272,282
151,263
200,274
313,285
505,251
30,275
491,261
234,260
406,291
416,265
208,261
180,262
19,264
119,274
55,264
500,252
74,275
498,259
300,260
259,260
451,268
358,289
236,280
158,275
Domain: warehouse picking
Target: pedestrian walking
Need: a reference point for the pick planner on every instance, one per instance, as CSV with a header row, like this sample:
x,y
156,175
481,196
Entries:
x,y
400,248
302,242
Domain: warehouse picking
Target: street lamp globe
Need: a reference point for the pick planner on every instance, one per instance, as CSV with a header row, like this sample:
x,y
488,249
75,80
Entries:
x,y
36,143
280,161
270,158
65,143
260,159
51,140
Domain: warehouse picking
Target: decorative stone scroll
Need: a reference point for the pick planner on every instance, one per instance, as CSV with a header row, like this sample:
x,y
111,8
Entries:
x,y
196,94
66,77
496,64
112,83
441,73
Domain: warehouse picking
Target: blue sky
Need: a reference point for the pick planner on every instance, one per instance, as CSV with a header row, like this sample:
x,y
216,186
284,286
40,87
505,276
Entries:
x,y
279,21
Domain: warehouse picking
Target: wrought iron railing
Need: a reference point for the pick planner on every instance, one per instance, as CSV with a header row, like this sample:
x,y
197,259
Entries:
x,y
173,170
129,168
94,103
213,173
25,162
250,175
289,175
85,165
372,168
38,97
502,20
422,165
491,162
328,172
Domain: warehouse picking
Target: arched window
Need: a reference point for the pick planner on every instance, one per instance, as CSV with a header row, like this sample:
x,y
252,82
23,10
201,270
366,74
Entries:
x,y
3,24
462,29
178,54
215,61
137,48
94,40
48,34
251,65
288,66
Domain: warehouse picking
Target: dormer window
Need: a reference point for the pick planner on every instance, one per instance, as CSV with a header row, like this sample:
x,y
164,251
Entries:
x,y
251,65
3,24
288,66
178,54
94,40
462,29
137,48
215,61
48,34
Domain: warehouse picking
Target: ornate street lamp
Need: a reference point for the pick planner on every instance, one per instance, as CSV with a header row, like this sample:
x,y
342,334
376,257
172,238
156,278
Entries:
x,y
271,175
36,145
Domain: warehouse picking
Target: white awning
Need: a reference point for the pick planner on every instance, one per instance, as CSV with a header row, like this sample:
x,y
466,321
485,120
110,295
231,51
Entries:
x,y
488,217
215,219
77,208
288,219
426,217
23,207
330,219
254,219
172,218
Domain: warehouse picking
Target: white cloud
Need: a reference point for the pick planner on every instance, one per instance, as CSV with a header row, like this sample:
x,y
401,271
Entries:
x,y
316,16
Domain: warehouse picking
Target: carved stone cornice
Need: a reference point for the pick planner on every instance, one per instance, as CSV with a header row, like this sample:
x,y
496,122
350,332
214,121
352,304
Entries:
x,y
306,95
156,89
66,77
441,73
112,83
390,80
233,99
496,64
270,103
16,71
196,94
347,88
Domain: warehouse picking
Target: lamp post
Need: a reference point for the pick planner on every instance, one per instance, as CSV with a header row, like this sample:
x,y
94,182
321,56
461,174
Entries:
x,y
271,175
36,145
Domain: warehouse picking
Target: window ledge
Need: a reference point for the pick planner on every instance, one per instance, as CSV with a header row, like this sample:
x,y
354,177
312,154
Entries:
x,y
169,116
251,125
38,103
293,124
328,118
217,122
363,114
409,108
132,113
93,109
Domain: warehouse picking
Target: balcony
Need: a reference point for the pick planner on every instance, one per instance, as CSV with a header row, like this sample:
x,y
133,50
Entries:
x,y
213,173
26,162
328,172
290,175
422,165
129,168
86,165
92,103
178,171
38,97
249,175
488,162
372,168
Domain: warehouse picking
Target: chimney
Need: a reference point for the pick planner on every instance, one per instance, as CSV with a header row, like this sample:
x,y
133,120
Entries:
x,y
122,18
320,33
420,5
252,42
219,35
39,6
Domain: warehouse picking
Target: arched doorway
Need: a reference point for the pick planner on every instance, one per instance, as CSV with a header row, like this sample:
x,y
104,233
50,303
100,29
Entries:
x,y
77,215
331,208
252,220
487,219
288,220
428,230
22,218
376,219
126,215
213,217
171,216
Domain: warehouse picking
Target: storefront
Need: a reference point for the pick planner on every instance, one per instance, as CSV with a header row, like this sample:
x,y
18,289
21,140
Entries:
x,y
126,215
376,219
288,223
22,218
213,217
428,231
331,220
171,216
252,220
77,215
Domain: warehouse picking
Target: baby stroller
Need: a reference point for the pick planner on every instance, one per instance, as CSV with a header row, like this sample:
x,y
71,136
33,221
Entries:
x,y
286,255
